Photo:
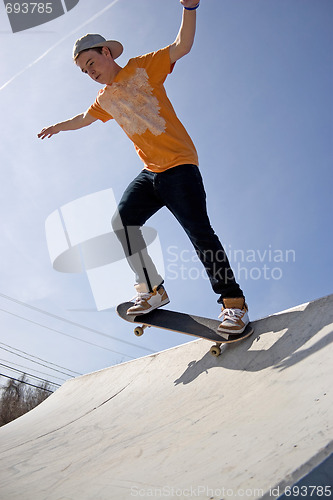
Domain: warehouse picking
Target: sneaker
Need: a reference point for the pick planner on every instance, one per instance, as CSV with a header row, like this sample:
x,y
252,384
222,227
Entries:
x,y
146,301
234,316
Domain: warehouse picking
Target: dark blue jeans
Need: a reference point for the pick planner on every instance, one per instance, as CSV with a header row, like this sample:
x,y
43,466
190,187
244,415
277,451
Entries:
x,y
181,190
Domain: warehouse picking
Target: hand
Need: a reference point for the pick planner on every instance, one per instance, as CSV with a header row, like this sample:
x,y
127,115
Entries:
x,y
189,3
49,132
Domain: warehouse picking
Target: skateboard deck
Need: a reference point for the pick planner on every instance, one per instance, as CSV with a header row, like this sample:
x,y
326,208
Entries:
x,y
187,324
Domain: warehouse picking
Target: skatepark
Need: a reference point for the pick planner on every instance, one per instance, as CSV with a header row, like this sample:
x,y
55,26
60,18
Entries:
x,y
251,423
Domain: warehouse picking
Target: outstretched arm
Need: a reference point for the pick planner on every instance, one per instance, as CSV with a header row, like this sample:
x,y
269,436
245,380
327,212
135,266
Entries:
x,y
185,38
75,123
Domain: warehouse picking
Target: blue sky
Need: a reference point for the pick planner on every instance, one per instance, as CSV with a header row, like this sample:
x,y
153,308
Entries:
x,y
255,94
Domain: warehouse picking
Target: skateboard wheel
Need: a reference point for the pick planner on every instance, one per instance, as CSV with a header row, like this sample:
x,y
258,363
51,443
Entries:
x,y
215,350
138,331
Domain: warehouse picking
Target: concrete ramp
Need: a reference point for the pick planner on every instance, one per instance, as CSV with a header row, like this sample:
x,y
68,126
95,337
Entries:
x,y
183,424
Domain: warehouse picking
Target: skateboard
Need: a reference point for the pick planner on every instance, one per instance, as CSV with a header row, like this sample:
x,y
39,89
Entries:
x,y
187,324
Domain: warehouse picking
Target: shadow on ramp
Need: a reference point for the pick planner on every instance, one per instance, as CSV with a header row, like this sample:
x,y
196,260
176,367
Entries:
x,y
274,342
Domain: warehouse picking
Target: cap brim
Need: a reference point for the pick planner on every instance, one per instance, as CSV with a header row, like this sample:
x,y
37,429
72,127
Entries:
x,y
115,47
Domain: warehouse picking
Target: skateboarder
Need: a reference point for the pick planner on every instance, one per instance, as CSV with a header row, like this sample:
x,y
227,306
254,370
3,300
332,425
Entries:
x,y
135,97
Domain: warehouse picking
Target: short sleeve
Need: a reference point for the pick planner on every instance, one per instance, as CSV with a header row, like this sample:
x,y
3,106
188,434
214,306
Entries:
x,y
157,64
98,112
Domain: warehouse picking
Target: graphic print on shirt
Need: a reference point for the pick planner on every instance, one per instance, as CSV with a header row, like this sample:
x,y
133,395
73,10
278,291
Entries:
x,y
133,105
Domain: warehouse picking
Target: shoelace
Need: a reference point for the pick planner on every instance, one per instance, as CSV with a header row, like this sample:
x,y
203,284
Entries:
x,y
141,296
231,314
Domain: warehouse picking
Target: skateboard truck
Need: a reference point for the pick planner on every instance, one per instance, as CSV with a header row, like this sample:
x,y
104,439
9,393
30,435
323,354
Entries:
x,y
139,330
215,350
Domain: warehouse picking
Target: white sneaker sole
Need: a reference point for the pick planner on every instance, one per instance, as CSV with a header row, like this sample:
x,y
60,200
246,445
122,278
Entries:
x,y
231,332
146,311
245,319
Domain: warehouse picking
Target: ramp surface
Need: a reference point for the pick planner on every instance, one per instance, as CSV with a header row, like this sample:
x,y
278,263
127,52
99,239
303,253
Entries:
x,y
182,423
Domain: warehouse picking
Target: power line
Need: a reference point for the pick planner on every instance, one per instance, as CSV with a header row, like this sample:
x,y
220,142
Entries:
x,y
29,375
40,359
60,318
27,383
31,368
65,334
37,362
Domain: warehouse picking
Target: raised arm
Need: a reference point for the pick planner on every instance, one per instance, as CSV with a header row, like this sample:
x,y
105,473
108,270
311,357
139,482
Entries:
x,y
79,121
185,38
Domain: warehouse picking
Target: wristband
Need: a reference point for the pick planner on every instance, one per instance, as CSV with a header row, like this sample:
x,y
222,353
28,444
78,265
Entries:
x,y
192,8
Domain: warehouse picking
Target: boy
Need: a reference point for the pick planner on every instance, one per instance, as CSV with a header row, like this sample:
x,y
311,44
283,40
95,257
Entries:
x,y
135,97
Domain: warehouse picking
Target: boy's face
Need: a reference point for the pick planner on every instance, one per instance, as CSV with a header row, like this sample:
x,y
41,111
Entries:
x,y
100,67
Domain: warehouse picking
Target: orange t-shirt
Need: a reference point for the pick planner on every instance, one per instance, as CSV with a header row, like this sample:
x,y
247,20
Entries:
x,y
137,100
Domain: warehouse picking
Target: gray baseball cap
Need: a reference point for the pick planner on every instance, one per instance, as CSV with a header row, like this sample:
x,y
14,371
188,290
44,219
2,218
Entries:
x,y
92,41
